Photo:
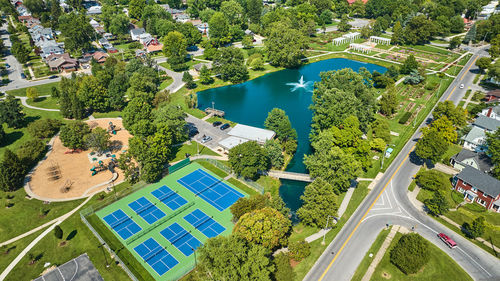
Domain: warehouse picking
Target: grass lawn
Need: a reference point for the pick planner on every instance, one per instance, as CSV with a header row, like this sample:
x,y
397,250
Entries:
x,y
111,114
452,150
217,118
440,267
44,102
179,152
43,90
166,83
9,252
367,260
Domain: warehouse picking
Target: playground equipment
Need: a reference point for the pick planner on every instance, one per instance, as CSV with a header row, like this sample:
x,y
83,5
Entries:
x,y
99,168
67,186
112,128
53,171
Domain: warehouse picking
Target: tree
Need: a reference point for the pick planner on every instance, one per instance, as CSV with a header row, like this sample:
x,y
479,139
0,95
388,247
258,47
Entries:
x,y
229,63
77,31
380,128
483,63
188,79
344,25
389,103
326,17
444,127
233,12
341,94
494,70
206,76
319,202
44,128
174,47
248,204
58,232
139,108
11,171
266,227
494,49
274,154
278,121
470,36
285,45
54,92
135,8
284,271
476,229
247,42
409,65
248,159
433,180
456,114
455,42
2,134
419,30
411,253
299,250
71,106
437,205
173,119
219,29
431,146
254,10
20,51
457,24
10,113
98,140
73,133
30,152
493,144
93,94
119,24
257,64
230,258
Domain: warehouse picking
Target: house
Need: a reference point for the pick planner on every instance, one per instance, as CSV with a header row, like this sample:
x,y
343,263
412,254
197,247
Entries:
x,y
230,142
100,57
476,139
477,160
108,36
492,112
94,10
140,54
203,28
200,65
154,48
136,32
50,47
145,38
40,33
61,62
105,43
94,23
27,18
350,2
479,187
492,96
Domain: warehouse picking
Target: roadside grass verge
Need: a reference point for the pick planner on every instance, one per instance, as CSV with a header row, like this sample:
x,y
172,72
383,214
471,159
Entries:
x,y
43,90
367,260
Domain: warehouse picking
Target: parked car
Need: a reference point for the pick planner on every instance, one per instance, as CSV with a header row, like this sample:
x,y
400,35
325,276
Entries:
x,y
23,76
206,139
462,86
216,123
53,77
225,126
447,240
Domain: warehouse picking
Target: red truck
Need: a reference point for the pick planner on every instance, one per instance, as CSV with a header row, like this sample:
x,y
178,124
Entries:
x,y
447,240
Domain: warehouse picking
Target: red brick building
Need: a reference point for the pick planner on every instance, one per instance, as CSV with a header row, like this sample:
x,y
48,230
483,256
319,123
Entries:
x,y
479,187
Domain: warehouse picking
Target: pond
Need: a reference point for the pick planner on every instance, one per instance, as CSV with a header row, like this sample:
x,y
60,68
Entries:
x,y
250,102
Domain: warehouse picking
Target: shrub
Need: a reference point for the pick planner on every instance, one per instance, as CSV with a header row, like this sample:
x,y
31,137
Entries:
x,y
30,152
404,118
44,128
410,254
475,229
284,271
58,232
135,45
299,250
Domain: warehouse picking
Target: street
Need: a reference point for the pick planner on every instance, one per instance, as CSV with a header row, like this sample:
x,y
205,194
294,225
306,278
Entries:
x,y
388,203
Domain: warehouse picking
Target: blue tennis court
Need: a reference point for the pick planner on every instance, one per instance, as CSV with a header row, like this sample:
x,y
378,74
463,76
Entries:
x,y
212,190
181,239
147,210
208,226
169,197
122,224
156,256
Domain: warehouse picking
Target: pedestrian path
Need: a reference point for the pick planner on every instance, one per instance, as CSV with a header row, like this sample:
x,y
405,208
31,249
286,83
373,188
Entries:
x,y
380,253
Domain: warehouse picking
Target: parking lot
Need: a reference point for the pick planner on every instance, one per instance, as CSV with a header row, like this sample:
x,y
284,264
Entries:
x,y
206,129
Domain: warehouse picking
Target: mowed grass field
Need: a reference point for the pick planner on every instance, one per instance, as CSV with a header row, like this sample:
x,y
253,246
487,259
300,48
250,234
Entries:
x,y
185,263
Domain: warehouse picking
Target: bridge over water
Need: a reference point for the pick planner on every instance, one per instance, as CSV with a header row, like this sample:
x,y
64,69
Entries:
x,y
299,176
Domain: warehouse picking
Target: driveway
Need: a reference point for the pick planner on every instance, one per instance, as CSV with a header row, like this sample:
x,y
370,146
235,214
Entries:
x,y
205,128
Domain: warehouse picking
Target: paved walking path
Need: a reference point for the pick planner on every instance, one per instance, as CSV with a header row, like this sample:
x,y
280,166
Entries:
x,y
24,103
345,202
380,254
37,239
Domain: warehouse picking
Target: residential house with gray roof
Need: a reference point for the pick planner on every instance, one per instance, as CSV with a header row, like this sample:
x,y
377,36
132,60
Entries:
x,y
476,139
477,160
478,187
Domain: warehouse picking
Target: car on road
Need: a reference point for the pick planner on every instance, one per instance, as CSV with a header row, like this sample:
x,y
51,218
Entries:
x,y
206,139
216,123
23,76
462,86
53,77
225,126
447,240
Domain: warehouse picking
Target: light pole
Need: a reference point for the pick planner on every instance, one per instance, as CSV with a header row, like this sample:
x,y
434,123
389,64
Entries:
x,y
326,227
104,254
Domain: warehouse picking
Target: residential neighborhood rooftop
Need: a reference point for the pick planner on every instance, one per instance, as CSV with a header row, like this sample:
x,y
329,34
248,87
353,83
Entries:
x,y
480,180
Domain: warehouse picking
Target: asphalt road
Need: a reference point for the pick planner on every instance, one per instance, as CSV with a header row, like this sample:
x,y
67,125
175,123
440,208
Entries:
x,y
388,203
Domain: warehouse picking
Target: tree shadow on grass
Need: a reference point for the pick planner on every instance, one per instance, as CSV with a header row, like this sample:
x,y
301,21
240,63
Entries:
x,y
71,235
30,119
12,137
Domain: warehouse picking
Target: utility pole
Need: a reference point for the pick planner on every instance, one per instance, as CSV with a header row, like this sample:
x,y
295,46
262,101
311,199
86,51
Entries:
x,y
104,254
326,227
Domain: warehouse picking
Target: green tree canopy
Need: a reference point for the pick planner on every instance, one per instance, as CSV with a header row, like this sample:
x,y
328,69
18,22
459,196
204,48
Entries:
x,y
285,45
44,128
11,171
219,29
437,205
411,253
98,140
278,121
73,133
174,47
248,159
456,114
11,113
319,202
77,31
229,63
433,180
409,65
274,153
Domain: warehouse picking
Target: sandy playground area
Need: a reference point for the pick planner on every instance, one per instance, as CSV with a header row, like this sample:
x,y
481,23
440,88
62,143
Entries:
x,y
63,175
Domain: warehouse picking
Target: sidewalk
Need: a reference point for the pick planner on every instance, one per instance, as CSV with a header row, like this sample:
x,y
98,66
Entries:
x,y
380,254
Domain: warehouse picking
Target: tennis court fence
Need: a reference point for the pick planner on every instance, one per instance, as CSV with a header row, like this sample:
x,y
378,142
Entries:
x,y
257,187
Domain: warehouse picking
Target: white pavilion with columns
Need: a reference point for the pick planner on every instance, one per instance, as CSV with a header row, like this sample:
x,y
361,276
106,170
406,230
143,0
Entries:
x,y
360,47
346,38
380,40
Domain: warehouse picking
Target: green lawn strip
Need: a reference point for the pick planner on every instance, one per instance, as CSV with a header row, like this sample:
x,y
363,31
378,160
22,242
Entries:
x,y
9,252
44,102
110,114
270,184
316,248
476,78
452,151
179,152
248,190
43,90
439,267
212,168
412,186
185,263
220,119
166,83
367,260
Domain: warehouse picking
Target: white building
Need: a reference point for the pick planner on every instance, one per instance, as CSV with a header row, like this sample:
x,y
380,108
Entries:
x,y
252,133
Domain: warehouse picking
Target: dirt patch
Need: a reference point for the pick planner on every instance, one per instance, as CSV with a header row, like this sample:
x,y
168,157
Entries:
x,y
294,263
386,275
65,175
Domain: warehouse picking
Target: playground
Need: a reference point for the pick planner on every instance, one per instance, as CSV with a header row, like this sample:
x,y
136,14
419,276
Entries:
x,y
65,174
163,224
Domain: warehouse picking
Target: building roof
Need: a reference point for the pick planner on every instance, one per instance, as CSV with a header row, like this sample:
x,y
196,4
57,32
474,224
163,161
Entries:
x,y
484,182
200,65
231,142
494,109
495,93
154,48
137,31
474,135
487,123
251,133
63,59
482,160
